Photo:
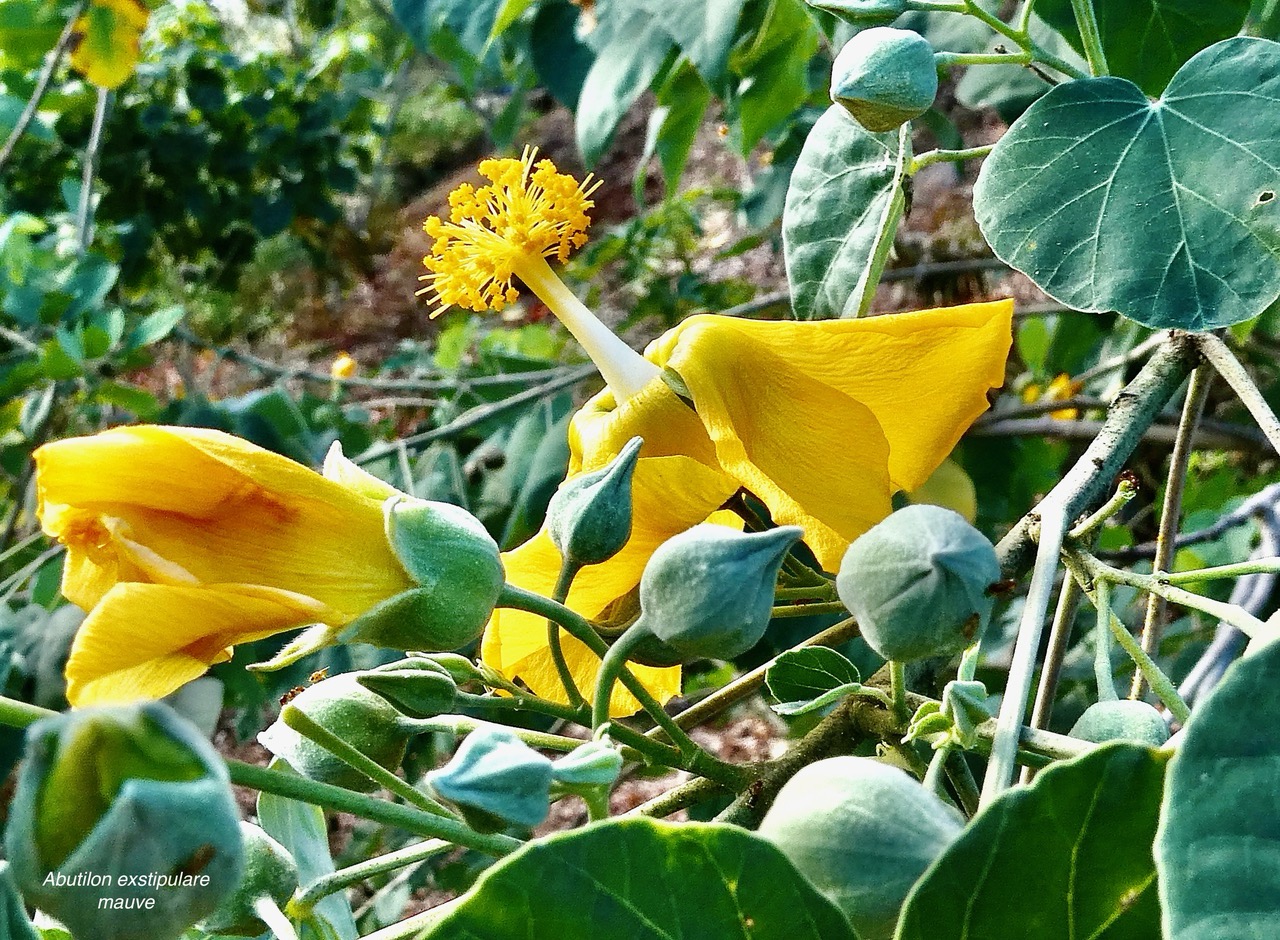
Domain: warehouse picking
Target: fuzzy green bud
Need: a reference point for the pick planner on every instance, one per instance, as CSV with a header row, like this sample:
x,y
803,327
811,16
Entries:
x,y
885,77
589,517
919,583
497,777
269,872
417,686
363,719
458,568
862,832
594,764
708,592
123,824
1122,720
862,12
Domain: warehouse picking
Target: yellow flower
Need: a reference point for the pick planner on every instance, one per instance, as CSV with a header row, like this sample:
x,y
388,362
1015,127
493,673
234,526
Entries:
x,y
821,421
344,366
107,40
182,542
1061,388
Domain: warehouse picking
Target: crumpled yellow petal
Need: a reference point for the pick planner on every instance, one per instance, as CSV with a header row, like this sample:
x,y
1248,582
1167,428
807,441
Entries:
x,y
815,456
670,495
226,512
924,375
119,655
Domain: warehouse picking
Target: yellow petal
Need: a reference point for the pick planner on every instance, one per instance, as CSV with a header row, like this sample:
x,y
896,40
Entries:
x,y
155,504
924,375
814,455
670,494
951,487
107,41
145,640
669,426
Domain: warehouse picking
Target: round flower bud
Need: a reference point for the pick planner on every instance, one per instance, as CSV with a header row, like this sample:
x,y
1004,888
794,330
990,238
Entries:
x,y
708,592
269,872
495,778
863,12
123,825
1122,720
417,687
589,517
363,719
885,77
863,833
919,583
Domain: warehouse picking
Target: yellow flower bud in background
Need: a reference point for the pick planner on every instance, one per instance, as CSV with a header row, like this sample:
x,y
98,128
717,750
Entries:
x,y
344,366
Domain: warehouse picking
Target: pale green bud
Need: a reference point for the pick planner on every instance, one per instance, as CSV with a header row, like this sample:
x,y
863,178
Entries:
x,y
269,872
1122,720
495,774
417,687
885,77
862,12
589,517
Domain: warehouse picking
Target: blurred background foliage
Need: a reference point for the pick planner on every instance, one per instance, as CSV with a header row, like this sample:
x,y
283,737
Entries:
x,y
198,244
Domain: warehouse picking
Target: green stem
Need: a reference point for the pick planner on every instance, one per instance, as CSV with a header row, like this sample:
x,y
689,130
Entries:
x,y
1024,17
610,667
1102,671
983,58
306,726
898,690
964,784
322,887
1235,570
934,779
805,595
1125,492
808,610
930,157
341,800
1230,368
1022,39
1090,37
17,714
687,794
461,725
568,571
523,701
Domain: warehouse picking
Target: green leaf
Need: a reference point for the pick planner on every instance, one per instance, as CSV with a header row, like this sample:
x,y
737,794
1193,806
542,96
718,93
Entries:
x,y
1146,41
559,57
1067,858
508,13
28,30
620,73
775,70
1165,211
301,829
155,327
703,29
673,124
843,205
805,674
1219,837
638,879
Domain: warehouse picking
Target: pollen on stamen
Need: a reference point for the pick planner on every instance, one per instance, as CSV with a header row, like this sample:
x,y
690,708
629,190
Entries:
x,y
528,210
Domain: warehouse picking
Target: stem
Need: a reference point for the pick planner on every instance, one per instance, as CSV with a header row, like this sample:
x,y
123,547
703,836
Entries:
x,y
306,726
948,156
84,211
934,779
1024,17
522,700
1253,566
1022,38
624,370
983,58
336,881
461,725
270,914
341,800
965,786
1091,39
1171,511
1102,671
687,794
1004,747
42,84
808,610
1125,492
1064,617
613,663
898,690
568,571
1230,368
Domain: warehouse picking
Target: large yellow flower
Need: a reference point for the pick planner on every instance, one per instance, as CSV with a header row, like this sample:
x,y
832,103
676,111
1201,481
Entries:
x,y
822,421
183,542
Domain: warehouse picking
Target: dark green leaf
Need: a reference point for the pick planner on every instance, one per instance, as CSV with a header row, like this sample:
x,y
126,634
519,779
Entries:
x,y
803,675
682,102
1165,211
637,879
775,70
559,57
1146,41
1067,858
843,205
703,29
155,327
620,74
1219,835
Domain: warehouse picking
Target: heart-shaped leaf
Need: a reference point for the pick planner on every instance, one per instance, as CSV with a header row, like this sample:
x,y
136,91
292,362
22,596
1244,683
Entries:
x,y
1067,858
636,879
809,679
843,206
1218,851
1165,211
1146,41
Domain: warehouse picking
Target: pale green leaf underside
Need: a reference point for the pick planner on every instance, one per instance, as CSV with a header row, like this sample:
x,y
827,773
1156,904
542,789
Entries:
x,y
1218,851
1165,211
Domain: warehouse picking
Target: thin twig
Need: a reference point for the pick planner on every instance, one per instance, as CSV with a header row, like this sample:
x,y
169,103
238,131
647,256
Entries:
x,y
1231,369
1266,498
1064,618
84,211
1171,512
1210,436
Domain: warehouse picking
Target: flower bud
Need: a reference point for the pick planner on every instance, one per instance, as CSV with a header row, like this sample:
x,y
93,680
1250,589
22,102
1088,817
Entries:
x,y
594,764
363,719
417,686
269,872
494,777
708,592
1122,720
589,517
862,12
123,824
862,832
885,77
919,583
457,566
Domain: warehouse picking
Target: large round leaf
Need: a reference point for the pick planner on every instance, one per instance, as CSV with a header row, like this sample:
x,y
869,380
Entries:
x,y
1165,211
1146,40
1067,858
636,879
1218,851
843,206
